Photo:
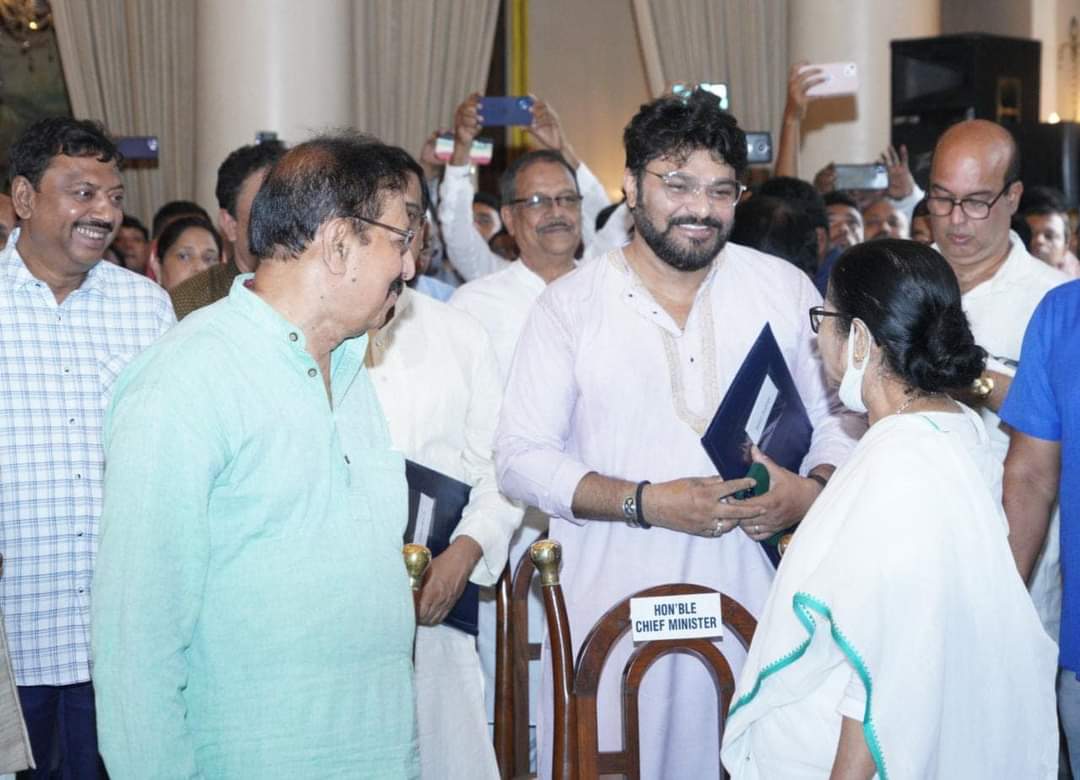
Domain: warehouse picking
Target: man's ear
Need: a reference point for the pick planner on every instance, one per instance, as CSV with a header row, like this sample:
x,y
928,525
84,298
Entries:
x,y
23,196
1016,191
629,185
230,228
507,215
337,235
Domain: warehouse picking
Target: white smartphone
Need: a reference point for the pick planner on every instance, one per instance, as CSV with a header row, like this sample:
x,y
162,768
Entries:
x,y
872,176
841,78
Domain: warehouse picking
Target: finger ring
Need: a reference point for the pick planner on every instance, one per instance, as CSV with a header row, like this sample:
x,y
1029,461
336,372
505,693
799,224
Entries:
x,y
717,527
757,529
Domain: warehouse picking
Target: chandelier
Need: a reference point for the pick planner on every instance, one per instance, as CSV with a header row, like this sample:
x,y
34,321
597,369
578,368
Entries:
x,y
22,18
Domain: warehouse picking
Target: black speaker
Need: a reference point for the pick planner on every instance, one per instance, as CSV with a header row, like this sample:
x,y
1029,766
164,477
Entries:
x,y
1050,156
937,82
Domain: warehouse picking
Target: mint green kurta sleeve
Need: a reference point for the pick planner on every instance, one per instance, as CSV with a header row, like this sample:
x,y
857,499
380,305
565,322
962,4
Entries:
x,y
251,612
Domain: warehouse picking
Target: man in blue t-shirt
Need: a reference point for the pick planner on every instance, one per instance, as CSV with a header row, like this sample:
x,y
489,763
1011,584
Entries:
x,y
1043,408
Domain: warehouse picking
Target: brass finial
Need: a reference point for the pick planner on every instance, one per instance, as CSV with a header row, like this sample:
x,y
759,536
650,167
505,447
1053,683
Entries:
x,y
417,558
546,556
784,542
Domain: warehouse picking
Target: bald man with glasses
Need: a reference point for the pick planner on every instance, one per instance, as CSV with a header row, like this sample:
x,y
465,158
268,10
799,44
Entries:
x,y
975,189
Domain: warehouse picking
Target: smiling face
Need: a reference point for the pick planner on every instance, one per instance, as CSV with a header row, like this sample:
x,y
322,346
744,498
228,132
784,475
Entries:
x,y
73,215
883,220
686,231
544,233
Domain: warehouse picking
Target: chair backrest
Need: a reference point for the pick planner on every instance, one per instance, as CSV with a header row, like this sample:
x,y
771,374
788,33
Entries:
x,y
513,654
577,755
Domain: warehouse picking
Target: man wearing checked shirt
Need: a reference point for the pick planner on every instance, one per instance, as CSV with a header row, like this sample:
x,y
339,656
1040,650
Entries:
x,y
68,324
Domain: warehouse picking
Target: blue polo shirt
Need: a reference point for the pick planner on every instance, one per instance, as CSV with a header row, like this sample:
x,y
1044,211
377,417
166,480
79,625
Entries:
x,y
1044,402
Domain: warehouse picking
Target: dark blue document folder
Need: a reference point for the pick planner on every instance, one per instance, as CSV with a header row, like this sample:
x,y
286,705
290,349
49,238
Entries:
x,y
780,422
448,499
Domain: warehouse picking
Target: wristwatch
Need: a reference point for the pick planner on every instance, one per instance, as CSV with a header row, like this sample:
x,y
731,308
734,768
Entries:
x,y
982,387
629,510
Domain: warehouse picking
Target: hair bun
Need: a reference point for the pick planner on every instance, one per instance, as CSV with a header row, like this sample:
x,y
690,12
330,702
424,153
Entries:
x,y
943,354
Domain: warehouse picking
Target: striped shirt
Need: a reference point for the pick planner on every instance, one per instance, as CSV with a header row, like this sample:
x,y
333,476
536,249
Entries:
x,y
57,363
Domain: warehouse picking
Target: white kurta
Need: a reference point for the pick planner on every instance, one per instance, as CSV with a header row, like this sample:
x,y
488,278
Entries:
x,y
999,310
898,605
604,380
501,302
435,374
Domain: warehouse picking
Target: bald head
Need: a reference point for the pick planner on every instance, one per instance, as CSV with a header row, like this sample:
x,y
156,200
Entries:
x,y
974,191
986,142
7,218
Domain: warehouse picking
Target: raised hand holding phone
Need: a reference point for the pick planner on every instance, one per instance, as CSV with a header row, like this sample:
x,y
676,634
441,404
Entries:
x,y
467,124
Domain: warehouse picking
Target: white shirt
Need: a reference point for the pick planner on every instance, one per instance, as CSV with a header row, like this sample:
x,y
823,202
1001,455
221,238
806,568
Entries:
x,y
501,302
468,250
605,381
998,311
434,372
57,365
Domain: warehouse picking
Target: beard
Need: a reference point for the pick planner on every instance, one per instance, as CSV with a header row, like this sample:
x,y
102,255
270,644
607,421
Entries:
x,y
695,254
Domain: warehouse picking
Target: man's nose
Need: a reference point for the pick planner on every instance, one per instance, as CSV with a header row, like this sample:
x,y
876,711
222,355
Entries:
x,y
408,264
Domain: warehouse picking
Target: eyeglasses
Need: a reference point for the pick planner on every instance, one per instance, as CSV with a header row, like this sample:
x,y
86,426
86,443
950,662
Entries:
x,y
408,234
540,202
819,313
973,208
681,187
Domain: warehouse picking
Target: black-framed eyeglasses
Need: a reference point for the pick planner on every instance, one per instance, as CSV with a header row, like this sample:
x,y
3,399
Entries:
x,y
680,187
408,234
540,202
973,208
819,313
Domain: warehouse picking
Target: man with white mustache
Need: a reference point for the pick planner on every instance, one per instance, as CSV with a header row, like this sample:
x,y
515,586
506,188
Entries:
x,y
542,211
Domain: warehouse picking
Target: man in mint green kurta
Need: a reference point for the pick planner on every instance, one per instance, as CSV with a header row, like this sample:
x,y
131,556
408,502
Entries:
x,y
252,616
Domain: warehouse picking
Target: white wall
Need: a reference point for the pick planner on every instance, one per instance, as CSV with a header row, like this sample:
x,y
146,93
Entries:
x,y
585,60
853,129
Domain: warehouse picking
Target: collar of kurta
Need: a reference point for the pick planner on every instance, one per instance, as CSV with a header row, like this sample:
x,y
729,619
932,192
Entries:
x,y
345,361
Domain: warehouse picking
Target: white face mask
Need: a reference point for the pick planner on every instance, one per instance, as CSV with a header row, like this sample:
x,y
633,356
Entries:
x,y
850,391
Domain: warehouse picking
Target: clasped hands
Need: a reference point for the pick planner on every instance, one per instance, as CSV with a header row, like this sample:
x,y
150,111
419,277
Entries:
x,y
706,506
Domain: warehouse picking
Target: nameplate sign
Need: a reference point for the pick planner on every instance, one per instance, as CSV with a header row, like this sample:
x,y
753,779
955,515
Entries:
x,y
690,616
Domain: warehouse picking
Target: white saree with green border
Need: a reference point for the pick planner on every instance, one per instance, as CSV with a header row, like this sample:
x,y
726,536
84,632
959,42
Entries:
x,y
898,604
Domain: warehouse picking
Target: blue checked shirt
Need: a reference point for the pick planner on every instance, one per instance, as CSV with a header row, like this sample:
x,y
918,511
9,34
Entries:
x,y
57,363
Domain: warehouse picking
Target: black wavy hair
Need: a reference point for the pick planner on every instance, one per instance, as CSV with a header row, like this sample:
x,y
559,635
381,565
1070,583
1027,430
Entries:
x,y
778,227
674,127
795,190
46,138
909,298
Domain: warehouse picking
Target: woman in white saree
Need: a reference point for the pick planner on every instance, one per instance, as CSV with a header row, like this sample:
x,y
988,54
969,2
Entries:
x,y
898,640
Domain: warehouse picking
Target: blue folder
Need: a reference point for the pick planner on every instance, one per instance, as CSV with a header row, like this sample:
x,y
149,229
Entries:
x,y
449,497
787,431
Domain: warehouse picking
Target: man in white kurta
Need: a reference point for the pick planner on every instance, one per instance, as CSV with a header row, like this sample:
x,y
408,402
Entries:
x,y
1001,285
501,302
611,387
436,378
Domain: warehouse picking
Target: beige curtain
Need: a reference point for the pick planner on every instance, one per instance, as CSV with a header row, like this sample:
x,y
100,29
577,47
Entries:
x,y
131,65
415,61
743,43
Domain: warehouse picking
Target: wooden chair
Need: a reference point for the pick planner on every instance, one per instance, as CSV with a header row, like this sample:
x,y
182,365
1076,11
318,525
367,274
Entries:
x,y
577,755
513,654
417,559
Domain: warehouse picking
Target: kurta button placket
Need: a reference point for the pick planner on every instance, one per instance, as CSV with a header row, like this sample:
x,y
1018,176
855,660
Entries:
x,y
312,372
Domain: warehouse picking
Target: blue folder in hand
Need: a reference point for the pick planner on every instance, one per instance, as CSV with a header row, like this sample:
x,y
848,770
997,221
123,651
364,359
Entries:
x,y
762,406
436,502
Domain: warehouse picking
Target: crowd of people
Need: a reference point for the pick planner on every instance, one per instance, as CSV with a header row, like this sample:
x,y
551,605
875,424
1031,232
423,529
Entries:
x,y
201,522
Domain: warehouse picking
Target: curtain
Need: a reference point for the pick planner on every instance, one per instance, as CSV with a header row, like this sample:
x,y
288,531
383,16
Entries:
x,y
131,65
415,61
742,43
